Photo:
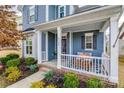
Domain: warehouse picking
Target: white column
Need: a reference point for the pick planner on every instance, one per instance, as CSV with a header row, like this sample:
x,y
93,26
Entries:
x,y
47,13
39,47
59,32
46,46
113,50
70,42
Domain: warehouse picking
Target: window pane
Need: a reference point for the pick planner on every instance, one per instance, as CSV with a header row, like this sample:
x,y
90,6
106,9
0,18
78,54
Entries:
x,y
26,42
26,49
30,43
62,9
30,49
89,45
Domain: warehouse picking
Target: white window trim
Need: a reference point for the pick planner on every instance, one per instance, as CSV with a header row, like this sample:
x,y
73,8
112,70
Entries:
x,y
25,45
88,34
31,7
59,10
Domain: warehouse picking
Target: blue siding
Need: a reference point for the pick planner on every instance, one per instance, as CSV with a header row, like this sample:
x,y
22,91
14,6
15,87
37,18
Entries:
x,y
67,10
51,45
40,13
52,14
77,44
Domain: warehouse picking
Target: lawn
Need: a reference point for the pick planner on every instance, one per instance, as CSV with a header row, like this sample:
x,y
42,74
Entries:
x,y
121,71
6,52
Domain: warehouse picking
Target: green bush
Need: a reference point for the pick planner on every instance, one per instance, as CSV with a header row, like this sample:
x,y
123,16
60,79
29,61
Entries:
x,y
13,73
30,61
4,60
49,75
13,62
51,86
12,56
33,67
8,57
71,80
38,84
94,83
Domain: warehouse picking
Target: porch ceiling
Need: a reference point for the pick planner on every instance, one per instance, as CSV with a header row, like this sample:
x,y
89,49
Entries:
x,y
89,17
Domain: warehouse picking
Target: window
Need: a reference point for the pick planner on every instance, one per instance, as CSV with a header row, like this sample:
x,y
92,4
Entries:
x,y
29,46
32,14
89,41
61,11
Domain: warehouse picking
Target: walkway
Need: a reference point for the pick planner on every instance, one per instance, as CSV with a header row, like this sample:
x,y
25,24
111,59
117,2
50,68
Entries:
x,y
26,82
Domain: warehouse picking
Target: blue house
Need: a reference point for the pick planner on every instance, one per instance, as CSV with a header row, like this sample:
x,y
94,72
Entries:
x,y
73,37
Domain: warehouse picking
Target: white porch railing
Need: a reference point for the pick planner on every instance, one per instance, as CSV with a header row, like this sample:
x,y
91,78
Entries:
x,y
43,55
91,65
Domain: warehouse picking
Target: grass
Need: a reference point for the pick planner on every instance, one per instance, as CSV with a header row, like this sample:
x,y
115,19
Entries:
x,y
3,53
121,71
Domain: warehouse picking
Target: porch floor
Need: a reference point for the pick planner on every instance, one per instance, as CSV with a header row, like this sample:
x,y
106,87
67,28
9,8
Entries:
x,y
51,63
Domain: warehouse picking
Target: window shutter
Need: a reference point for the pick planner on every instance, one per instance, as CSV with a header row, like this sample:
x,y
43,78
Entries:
x,y
83,42
94,41
36,13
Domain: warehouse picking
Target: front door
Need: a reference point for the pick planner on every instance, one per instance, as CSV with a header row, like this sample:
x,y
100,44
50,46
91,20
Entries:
x,y
64,46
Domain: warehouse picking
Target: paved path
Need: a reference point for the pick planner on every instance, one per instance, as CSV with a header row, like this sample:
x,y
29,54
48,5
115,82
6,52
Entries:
x,y
26,82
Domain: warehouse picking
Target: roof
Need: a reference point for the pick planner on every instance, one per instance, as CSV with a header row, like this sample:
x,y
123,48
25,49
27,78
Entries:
x,y
86,8
28,29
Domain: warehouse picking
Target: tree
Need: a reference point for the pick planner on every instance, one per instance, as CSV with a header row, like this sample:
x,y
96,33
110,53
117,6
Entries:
x,y
9,35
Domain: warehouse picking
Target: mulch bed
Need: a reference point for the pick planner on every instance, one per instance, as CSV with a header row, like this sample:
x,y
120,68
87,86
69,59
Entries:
x,y
59,77
6,83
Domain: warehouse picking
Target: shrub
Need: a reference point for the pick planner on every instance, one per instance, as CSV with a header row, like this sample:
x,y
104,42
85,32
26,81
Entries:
x,y
13,76
13,62
4,60
94,83
33,67
13,73
11,69
30,60
12,56
38,84
71,80
49,75
51,86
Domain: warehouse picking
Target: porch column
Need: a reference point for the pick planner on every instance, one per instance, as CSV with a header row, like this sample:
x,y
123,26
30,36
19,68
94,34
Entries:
x,y
59,32
39,47
113,49
70,42
46,46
